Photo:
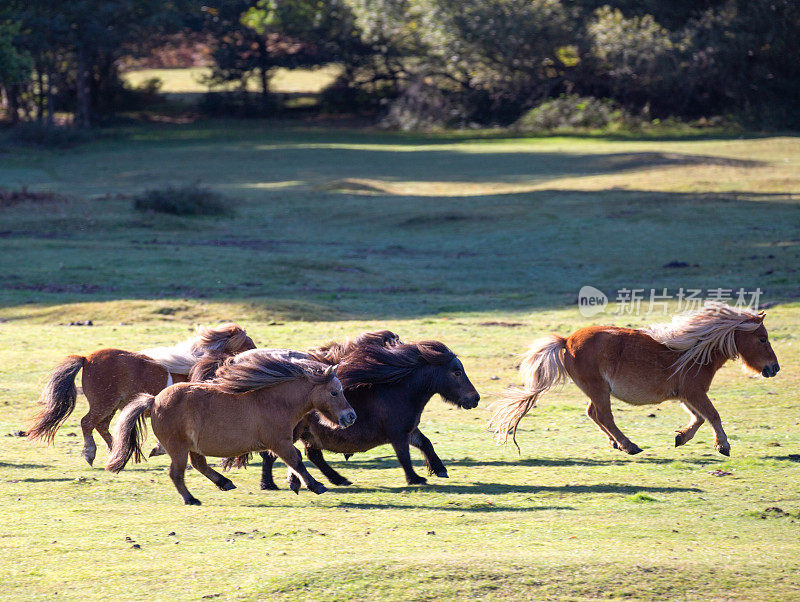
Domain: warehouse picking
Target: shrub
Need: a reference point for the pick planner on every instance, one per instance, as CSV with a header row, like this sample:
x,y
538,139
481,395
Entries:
x,y
572,112
422,106
184,200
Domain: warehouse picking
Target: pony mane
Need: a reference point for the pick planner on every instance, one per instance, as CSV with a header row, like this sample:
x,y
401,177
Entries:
x,y
262,368
333,352
697,336
374,364
180,358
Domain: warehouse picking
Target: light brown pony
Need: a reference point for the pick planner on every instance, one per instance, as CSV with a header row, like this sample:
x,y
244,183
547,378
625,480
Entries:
x,y
252,405
113,377
671,361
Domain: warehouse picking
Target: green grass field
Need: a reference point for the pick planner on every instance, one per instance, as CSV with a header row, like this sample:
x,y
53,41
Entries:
x,y
481,241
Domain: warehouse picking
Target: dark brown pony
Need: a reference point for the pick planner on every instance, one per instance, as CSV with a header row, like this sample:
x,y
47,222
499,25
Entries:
x,y
113,377
388,386
672,361
251,405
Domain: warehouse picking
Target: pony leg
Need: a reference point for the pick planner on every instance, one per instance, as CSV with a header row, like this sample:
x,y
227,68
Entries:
x,y
701,404
177,469
591,412
599,411
267,462
686,434
432,461
400,445
315,457
199,462
88,424
287,452
102,428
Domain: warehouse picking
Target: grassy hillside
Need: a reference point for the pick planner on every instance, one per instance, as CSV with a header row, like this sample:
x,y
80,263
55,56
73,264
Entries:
x,y
479,241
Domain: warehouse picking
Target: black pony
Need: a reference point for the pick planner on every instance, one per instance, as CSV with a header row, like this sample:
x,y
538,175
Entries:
x,y
388,383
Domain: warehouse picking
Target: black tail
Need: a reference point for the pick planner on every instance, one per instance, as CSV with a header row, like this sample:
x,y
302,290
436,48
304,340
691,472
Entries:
x,y
58,397
130,432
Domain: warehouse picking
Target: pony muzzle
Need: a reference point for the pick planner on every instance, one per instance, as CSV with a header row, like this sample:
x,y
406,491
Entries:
x,y
347,418
471,401
770,370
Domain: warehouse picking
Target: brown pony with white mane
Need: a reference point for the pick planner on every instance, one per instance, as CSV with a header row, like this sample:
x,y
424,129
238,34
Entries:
x,y
251,405
649,366
113,377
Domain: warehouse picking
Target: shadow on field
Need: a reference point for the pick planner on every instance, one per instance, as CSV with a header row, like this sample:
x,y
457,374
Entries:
x,y
22,465
390,462
376,231
38,480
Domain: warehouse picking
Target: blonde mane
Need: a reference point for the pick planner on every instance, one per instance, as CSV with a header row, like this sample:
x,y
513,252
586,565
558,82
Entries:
x,y
261,368
701,334
180,358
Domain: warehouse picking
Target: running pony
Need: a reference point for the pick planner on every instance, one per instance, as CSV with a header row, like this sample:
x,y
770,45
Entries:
x,y
649,366
252,405
113,377
388,383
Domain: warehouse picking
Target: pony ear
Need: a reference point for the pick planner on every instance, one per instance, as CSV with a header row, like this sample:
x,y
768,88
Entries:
x,y
761,316
330,372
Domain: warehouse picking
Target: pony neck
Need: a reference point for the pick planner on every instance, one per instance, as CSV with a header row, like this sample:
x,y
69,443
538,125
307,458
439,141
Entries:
x,y
422,387
294,396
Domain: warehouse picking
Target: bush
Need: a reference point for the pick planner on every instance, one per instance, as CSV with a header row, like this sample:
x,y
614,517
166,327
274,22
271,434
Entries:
x,y
573,112
422,106
33,133
186,200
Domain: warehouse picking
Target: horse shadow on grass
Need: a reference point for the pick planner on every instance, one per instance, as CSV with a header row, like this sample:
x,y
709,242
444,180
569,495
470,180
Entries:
x,y
390,462
22,465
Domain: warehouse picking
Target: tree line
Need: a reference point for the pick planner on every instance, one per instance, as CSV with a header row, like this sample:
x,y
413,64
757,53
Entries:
x,y
449,62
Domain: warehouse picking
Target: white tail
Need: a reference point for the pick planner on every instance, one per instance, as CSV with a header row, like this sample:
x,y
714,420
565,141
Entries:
x,y
542,368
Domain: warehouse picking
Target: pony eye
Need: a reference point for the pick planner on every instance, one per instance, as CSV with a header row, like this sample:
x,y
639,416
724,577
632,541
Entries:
x,y
334,393
457,373
763,340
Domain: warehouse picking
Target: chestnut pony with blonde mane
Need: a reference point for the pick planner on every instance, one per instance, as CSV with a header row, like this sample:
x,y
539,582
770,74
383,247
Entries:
x,y
251,405
648,366
113,377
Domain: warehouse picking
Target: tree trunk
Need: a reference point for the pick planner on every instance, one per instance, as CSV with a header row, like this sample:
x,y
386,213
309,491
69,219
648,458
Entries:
x,y
83,110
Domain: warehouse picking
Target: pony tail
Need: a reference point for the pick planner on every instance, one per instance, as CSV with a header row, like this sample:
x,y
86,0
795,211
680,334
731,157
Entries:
x,y
237,462
542,368
130,432
59,397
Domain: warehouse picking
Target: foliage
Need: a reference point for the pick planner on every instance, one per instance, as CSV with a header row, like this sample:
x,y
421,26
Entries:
x,y
192,200
572,112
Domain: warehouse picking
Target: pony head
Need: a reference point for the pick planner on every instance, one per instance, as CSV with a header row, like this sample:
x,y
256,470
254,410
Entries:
x,y
754,347
327,398
451,381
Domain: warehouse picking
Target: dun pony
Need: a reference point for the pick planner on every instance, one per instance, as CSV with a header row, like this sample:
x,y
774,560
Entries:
x,y
648,366
251,405
113,377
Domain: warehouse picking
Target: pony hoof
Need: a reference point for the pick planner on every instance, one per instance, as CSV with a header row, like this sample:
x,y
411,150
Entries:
x,y
157,451
269,487
417,481
319,489
294,486
442,474
633,450
89,458
343,482
192,502
725,451
226,486
678,440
